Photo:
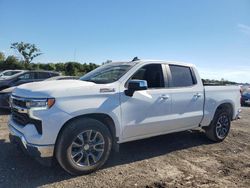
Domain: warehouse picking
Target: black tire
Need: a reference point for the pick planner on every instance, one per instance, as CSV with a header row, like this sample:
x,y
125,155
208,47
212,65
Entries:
x,y
243,103
69,135
212,131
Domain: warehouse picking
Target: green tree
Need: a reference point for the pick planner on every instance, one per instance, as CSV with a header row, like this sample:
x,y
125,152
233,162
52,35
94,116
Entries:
x,y
107,61
50,66
27,50
33,66
70,69
60,67
11,62
2,56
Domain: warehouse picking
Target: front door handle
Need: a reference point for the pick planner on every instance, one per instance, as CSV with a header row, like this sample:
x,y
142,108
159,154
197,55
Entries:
x,y
164,97
197,95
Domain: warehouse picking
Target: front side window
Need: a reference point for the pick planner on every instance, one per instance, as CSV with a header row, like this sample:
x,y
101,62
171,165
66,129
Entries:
x,y
181,76
152,73
107,73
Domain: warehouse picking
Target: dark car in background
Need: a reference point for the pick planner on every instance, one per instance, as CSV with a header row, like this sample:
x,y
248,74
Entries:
x,y
245,98
7,84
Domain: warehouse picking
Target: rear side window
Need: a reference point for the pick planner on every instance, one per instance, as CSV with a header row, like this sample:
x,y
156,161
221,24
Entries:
x,y
43,75
181,76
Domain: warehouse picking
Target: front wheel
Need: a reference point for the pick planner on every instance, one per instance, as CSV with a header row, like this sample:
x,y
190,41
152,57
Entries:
x,y
219,127
83,146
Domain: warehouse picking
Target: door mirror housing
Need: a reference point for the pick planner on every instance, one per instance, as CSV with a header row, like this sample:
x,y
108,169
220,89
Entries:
x,y
136,85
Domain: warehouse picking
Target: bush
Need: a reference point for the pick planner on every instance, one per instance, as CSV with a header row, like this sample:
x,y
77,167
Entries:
x,y
11,62
68,68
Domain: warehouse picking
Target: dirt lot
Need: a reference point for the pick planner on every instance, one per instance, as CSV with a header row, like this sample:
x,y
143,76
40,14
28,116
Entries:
x,y
185,159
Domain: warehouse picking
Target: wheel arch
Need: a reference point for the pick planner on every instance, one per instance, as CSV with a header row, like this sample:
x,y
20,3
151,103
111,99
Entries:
x,y
104,118
226,106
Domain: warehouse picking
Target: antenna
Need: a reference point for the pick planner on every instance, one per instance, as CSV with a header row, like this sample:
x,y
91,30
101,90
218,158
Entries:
x,y
136,59
75,54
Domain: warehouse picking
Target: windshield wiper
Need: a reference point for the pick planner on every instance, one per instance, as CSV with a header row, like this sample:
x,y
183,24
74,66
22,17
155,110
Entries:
x,y
89,81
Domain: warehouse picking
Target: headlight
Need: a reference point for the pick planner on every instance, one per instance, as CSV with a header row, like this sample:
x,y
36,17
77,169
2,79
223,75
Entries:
x,y
40,104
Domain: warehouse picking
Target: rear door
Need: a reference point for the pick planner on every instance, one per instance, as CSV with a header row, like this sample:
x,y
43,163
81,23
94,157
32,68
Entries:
x,y
187,97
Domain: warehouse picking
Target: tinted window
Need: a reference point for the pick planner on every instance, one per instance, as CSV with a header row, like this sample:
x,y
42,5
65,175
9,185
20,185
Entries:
x,y
181,76
43,75
26,76
152,74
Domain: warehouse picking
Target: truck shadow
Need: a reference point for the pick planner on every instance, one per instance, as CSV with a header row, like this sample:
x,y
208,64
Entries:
x,y
4,111
19,170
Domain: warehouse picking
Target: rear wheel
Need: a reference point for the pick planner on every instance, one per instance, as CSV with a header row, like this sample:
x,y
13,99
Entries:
x,y
83,146
220,126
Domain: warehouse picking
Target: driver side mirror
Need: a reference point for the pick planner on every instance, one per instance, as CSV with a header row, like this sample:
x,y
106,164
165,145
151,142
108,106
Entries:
x,y
136,85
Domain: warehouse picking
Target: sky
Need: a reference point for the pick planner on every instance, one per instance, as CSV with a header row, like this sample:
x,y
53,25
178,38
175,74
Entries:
x,y
214,35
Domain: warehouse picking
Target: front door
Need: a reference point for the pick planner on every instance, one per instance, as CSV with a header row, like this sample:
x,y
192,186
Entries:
x,y
146,112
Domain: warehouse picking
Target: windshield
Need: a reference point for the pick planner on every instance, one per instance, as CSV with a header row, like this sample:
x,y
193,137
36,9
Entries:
x,y
9,73
107,73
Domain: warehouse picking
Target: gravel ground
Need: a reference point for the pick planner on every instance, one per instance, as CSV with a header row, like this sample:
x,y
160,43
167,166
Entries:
x,y
185,159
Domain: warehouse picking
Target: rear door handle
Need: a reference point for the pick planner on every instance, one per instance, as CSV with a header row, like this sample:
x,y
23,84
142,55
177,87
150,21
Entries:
x,y
164,97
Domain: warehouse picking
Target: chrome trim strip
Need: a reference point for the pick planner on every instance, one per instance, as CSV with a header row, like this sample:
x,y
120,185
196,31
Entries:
x,y
107,90
20,109
26,110
28,99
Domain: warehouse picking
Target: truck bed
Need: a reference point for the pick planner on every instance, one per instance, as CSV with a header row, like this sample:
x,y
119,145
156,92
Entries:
x,y
216,95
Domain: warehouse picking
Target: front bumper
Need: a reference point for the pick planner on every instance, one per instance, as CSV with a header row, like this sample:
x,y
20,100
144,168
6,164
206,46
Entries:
x,y
238,114
42,153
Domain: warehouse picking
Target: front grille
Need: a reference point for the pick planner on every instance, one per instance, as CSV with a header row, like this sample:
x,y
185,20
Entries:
x,y
19,103
23,119
20,118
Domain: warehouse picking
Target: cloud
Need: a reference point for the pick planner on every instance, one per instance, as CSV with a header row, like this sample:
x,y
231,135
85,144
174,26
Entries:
x,y
244,28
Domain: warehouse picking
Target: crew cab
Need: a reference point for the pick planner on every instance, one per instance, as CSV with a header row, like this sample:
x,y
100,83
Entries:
x,y
79,122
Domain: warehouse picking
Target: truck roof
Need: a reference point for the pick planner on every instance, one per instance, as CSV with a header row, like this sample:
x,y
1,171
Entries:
x,y
156,61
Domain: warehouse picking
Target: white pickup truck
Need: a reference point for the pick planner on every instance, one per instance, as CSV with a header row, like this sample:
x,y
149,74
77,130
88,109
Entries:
x,y
79,122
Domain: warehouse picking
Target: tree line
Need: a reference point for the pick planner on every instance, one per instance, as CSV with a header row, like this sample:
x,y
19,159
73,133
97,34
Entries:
x,y
30,51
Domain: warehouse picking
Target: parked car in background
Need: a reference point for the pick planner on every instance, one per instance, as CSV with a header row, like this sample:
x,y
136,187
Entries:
x,y
63,78
26,77
4,97
8,84
245,98
8,73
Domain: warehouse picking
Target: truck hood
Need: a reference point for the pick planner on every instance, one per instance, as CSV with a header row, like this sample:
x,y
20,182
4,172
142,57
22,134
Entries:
x,y
57,88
